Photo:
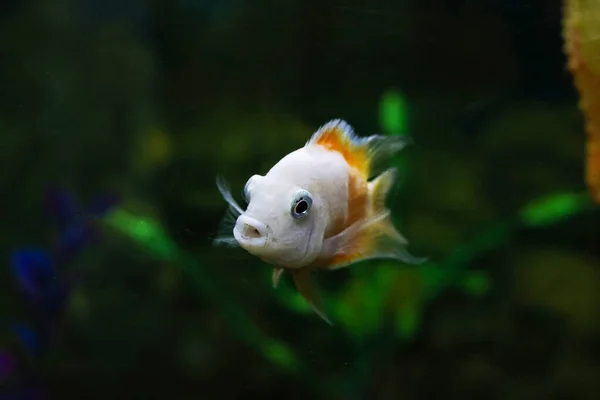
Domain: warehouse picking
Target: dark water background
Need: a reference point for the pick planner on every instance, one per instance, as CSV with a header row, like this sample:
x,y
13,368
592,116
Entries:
x,y
116,116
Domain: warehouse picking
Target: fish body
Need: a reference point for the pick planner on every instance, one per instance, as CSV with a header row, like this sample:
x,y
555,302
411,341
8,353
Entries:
x,y
321,206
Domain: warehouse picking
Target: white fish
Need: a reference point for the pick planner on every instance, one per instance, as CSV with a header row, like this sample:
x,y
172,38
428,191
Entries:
x,y
317,209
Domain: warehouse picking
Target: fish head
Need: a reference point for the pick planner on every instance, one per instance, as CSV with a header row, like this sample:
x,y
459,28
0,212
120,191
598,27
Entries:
x,y
283,223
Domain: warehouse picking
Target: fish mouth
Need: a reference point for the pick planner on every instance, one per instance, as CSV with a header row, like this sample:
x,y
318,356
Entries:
x,y
250,233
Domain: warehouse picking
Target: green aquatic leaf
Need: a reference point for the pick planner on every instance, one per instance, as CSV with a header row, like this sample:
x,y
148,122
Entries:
x,y
360,309
393,113
280,354
146,231
348,312
554,208
292,300
476,283
286,293
432,279
408,319
150,235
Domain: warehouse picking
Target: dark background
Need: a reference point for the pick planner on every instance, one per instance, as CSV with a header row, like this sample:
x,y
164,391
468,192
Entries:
x,y
150,100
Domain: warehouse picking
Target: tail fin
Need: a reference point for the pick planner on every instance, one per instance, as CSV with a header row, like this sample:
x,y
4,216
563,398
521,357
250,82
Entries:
x,y
374,236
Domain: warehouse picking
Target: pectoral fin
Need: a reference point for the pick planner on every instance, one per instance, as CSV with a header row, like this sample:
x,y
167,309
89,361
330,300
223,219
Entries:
x,y
277,272
306,287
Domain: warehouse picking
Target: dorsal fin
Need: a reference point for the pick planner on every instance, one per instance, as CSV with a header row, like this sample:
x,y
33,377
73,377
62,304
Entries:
x,y
361,153
338,136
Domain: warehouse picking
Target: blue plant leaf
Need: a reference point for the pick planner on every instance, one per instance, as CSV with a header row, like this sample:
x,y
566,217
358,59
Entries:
x,y
33,270
76,226
72,240
101,205
61,207
28,337
53,300
37,277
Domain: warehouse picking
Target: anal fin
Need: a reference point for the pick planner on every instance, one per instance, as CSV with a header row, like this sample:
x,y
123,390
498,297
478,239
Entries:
x,y
306,287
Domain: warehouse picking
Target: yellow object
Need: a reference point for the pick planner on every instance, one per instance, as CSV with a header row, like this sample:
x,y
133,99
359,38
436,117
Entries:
x,y
582,45
156,147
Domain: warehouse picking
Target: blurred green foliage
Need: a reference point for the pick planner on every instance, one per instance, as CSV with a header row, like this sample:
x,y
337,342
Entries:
x,y
392,290
393,113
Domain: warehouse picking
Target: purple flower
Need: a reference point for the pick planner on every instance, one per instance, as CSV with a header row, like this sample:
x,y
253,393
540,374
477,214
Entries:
x,y
41,277
32,393
75,224
7,366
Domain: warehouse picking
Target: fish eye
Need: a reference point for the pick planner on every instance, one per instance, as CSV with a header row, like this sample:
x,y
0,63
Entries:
x,y
301,205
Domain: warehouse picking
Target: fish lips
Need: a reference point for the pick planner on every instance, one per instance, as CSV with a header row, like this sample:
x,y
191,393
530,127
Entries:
x,y
250,233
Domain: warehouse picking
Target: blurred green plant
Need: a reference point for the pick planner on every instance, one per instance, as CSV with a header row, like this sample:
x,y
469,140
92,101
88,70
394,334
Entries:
x,y
393,119
390,292
383,293
150,235
393,113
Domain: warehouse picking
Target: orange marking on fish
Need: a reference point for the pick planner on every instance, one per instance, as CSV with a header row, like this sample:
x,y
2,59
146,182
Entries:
x,y
358,202
335,138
